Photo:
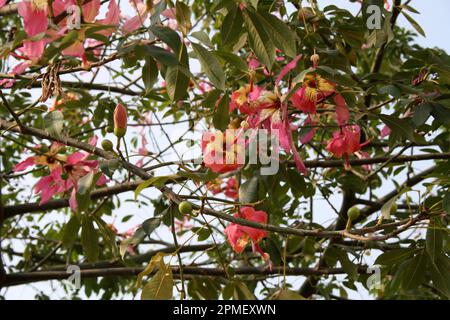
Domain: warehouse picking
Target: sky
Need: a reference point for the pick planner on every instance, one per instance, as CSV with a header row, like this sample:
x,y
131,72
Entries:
x,y
435,22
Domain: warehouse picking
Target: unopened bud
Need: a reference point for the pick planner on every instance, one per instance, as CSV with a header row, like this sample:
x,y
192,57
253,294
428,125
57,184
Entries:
x,y
107,145
244,125
120,121
315,59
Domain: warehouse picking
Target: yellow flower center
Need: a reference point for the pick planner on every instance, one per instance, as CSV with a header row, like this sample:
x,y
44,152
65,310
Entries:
x,y
39,4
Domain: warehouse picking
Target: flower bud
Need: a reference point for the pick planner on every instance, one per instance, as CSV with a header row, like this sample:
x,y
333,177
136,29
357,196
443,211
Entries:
x,y
107,145
120,121
245,125
315,59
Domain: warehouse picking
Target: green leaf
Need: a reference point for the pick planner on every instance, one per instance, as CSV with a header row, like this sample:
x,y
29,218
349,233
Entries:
x,y
70,231
349,267
258,38
152,182
109,166
211,99
89,238
177,83
183,17
211,66
68,40
386,208
285,294
231,28
441,113
203,37
421,114
248,191
233,59
108,235
400,127
395,256
150,225
137,237
283,37
241,292
391,90
414,23
160,286
440,275
446,203
156,260
85,183
163,56
434,238
54,122
149,74
414,272
168,36
221,117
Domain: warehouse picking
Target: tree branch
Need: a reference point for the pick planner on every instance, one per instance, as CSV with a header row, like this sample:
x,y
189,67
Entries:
x,y
175,198
29,277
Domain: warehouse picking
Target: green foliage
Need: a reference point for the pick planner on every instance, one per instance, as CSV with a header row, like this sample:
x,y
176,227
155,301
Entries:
x,y
386,79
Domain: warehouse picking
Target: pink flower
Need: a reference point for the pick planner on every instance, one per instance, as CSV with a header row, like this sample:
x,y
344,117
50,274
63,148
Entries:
x,y
342,113
134,23
50,185
231,189
346,142
34,17
253,63
364,155
239,236
2,3
222,152
183,225
385,132
314,89
90,10
310,132
77,167
250,99
112,18
143,151
52,159
291,65
18,69
170,14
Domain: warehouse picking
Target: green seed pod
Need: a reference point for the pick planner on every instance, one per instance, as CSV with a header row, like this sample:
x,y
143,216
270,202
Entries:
x,y
107,145
185,208
353,213
394,208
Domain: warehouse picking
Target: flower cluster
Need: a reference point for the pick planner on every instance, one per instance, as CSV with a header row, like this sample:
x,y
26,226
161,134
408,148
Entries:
x,y
72,19
230,189
269,109
239,236
65,171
